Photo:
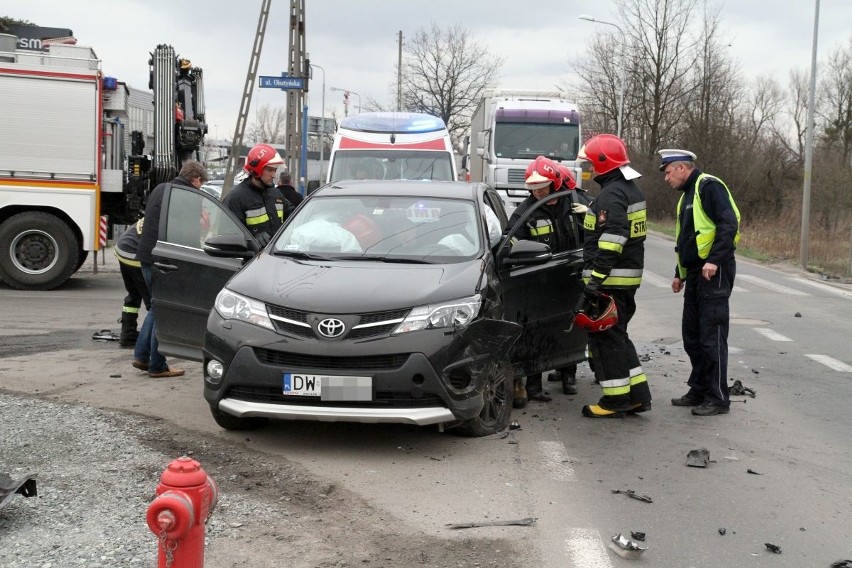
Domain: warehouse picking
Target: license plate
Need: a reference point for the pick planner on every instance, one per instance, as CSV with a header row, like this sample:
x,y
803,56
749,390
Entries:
x,y
331,388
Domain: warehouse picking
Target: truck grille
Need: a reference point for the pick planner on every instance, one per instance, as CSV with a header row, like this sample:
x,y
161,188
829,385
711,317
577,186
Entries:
x,y
516,176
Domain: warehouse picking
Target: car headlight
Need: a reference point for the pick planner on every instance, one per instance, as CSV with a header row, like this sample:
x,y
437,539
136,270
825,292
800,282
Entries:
x,y
233,306
456,313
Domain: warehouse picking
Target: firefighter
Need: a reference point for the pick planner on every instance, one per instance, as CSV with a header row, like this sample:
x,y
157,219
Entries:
x,y
554,226
613,256
134,283
256,201
706,236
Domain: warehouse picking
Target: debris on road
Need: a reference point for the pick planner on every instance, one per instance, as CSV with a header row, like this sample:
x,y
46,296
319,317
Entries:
x,y
633,494
797,315
25,486
772,547
738,389
529,521
625,547
637,535
722,531
751,471
698,458
105,335
842,564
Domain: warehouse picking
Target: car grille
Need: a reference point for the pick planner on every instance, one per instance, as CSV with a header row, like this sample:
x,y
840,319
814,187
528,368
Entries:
x,y
516,176
293,360
390,317
274,396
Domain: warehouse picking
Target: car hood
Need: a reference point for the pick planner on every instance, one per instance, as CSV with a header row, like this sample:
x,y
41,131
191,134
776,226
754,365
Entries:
x,y
354,286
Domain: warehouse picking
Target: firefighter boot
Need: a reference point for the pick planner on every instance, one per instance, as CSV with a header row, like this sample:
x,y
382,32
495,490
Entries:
x,y
520,399
569,379
128,330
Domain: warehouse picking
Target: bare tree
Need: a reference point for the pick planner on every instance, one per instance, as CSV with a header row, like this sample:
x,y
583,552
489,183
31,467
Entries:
x,y
269,125
836,102
444,73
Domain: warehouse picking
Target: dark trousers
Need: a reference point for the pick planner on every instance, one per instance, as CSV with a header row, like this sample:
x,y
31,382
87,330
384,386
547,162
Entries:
x,y
134,284
706,319
617,366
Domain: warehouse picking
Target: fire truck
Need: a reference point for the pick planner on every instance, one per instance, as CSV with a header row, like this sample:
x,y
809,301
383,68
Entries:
x,y
81,151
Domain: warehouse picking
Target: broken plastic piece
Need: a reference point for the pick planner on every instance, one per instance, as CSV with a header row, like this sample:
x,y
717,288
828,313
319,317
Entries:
x,y
753,472
637,535
772,547
105,335
722,531
698,458
514,426
842,564
737,389
631,493
519,522
25,486
625,547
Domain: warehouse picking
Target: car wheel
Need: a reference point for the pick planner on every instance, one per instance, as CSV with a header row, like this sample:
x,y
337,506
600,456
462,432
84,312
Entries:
x,y
231,422
497,394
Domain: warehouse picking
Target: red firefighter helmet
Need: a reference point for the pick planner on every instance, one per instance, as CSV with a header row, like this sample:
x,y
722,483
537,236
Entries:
x,y
541,172
597,315
568,180
605,151
260,157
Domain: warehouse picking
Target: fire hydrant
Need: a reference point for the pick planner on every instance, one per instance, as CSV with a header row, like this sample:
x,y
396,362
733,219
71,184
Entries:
x,y
186,496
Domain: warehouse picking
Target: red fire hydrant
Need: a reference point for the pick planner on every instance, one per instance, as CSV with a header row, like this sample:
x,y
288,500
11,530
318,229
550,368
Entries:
x,y
186,496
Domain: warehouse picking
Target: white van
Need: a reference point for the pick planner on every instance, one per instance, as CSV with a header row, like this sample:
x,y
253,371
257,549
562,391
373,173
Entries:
x,y
392,145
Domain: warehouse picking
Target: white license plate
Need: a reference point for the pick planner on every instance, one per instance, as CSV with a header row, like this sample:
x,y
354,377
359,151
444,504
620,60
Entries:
x,y
332,388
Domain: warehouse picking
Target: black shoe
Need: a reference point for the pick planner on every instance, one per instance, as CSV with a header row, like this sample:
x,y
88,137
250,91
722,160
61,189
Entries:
x,y
687,400
569,381
710,410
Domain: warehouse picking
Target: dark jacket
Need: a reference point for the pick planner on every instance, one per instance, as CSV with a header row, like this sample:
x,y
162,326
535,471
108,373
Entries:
x,y
262,211
128,243
290,194
717,206
614,246
151,227
552,225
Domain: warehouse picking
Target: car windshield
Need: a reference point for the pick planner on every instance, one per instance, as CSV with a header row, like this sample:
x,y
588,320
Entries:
x,y
394,229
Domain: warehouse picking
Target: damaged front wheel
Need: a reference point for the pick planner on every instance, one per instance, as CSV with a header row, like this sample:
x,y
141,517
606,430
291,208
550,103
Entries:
x,y
497,394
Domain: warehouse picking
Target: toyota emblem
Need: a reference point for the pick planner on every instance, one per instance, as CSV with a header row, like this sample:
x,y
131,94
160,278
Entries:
x,y
331,328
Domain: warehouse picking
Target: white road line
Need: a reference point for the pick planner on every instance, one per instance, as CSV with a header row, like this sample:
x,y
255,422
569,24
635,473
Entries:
x,y
656,280
823,287
771,334
830,362
555,461
771,285
585,549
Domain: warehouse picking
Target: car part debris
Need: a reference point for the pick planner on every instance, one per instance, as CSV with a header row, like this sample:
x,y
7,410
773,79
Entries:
x,y
842,564
626,548
529,521
631,493
722,531
514,426
698,458
772,547
26,486
751,471
105,335
497,435
637,535
797,315
738,389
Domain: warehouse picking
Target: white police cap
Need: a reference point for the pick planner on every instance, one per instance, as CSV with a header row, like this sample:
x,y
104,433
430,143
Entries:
x,y
670,155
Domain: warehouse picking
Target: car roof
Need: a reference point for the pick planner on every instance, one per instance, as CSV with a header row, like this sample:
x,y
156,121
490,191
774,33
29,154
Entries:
x,y
425,188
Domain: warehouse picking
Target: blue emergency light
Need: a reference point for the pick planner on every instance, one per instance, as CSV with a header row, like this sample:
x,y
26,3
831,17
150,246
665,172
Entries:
x,y
389,122
110,83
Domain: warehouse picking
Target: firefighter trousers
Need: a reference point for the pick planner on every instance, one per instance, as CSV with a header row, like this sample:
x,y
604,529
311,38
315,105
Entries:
x,y
706,319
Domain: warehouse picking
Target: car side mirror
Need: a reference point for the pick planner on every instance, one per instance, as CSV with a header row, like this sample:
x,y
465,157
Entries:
x,y
230,246
528,253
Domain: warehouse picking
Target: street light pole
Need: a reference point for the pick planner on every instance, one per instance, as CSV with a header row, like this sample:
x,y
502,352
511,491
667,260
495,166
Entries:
x,y
322,122
809,151
623,73
351,93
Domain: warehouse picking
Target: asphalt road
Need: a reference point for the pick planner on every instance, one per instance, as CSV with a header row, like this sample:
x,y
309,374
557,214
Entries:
x,y
559,468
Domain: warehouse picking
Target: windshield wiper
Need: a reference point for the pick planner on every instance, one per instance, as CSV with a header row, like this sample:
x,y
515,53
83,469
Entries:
x,y
299,254
379,258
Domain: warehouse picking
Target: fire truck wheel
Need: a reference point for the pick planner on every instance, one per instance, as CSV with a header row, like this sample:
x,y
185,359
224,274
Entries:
x,y
38,251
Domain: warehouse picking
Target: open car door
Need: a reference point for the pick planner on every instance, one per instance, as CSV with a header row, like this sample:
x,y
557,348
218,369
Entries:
x,y
540,291
186,279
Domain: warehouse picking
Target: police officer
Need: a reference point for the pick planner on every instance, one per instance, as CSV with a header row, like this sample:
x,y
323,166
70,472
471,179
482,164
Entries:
x,y
614,256
134,283
256,201
706,235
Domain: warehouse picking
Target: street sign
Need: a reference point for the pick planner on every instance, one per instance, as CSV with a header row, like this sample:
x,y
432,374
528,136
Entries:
x,y
284,82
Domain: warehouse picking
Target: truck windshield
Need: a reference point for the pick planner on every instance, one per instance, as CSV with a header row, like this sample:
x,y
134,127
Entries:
x,y
392,164
526,141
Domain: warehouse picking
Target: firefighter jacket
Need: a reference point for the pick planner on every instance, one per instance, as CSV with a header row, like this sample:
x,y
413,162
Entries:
x,y
615,225
151,227
708,222
128,243
261,210
552,225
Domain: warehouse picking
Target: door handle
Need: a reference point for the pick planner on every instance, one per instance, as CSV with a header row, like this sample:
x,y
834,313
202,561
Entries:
x,y
164,267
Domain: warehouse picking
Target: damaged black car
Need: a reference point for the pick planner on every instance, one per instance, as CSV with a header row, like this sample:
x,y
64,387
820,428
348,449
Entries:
x,y
377,301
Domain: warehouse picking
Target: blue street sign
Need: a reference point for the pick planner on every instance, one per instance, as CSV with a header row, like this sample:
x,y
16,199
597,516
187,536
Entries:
x,y
283,82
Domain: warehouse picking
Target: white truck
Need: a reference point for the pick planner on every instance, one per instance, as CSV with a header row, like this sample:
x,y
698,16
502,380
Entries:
x,y
392,145
509,128
67,156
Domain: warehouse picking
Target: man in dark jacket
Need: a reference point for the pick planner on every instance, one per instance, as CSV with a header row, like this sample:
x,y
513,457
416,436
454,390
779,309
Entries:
x,y
146,355
706,236
256,201
614,257
285,186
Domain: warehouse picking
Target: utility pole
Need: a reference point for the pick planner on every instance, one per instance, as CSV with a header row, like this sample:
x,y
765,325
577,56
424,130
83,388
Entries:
x,y
804,245
399,76
296,97
245,103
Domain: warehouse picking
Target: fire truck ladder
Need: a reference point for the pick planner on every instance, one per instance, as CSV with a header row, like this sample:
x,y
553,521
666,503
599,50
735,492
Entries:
x,y
251,77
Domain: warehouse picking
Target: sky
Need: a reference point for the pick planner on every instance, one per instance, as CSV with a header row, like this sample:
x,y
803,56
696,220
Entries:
x,y
356,41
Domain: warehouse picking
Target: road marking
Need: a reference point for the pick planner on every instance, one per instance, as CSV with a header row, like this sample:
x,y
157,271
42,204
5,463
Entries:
x,y
830,362
824,287
771,285
771,334
655,280
585,549
556,461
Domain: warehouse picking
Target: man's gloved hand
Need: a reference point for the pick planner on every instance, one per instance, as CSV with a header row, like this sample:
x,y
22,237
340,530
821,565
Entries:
x,y
579,208
263,239
592,290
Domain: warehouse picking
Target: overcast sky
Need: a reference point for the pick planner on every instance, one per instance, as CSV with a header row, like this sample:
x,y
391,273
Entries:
x,y
355,41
